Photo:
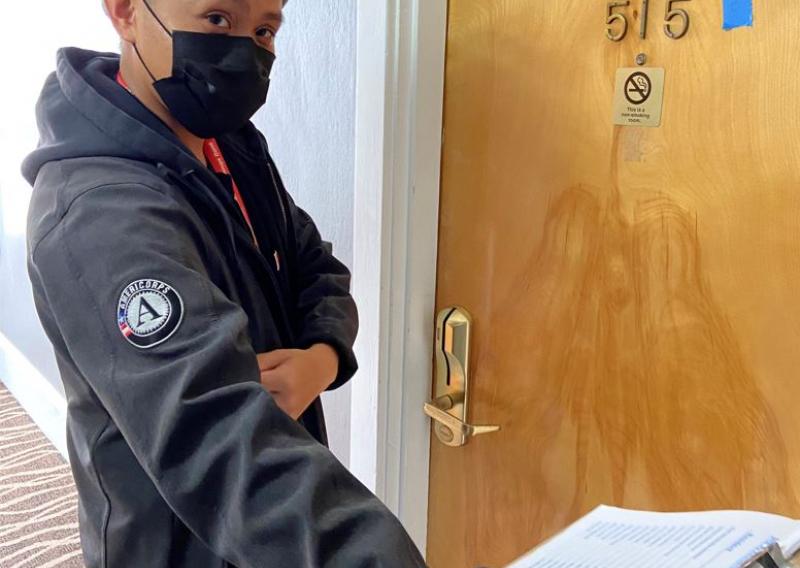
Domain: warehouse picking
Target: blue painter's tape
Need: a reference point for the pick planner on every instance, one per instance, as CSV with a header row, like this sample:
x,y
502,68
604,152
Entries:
x,y
737,13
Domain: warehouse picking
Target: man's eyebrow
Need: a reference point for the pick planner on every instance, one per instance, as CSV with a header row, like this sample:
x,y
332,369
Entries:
x,y
276,17
269,16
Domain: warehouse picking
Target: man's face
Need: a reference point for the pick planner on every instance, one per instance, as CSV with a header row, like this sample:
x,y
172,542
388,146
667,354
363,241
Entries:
x,y
257,19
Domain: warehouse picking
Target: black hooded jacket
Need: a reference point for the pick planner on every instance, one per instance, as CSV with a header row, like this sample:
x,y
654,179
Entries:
x,y
156,301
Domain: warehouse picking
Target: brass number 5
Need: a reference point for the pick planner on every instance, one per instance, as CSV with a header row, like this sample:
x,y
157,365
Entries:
x,y
673,13
612,17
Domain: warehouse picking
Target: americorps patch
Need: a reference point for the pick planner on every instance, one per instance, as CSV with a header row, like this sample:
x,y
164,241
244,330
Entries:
x,y
150,311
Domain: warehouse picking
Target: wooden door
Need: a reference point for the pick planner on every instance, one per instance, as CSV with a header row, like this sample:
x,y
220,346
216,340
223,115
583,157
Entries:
x,y
635,291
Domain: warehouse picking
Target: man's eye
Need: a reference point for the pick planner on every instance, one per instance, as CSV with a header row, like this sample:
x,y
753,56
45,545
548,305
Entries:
x,y
265,33
219,20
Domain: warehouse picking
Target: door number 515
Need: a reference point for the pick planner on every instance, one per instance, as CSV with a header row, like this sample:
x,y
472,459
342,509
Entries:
x,y
676,20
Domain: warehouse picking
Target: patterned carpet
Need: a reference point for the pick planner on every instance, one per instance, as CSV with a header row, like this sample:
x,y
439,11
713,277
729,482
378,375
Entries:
x,y
38,503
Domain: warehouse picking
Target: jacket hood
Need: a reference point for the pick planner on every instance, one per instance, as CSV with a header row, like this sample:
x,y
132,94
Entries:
x,y
84,112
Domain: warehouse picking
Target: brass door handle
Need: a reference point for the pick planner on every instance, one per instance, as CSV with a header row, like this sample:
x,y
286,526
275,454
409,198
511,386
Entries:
x,y
452,431
448,410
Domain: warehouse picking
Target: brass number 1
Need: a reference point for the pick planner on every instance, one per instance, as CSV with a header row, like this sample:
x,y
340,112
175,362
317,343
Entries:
x,y
673,13
645,12
612,18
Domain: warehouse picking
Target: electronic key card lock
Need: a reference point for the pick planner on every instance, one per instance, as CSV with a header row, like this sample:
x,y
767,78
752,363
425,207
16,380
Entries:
x,y
448,409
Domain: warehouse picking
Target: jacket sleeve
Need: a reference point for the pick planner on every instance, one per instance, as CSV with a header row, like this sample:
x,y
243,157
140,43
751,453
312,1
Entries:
x,y
234,468
327,311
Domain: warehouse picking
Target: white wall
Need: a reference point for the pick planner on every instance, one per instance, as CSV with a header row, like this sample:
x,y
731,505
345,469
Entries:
x,y
308,120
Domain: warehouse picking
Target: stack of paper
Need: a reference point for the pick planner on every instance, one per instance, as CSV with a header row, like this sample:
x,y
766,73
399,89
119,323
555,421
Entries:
x,y
618,538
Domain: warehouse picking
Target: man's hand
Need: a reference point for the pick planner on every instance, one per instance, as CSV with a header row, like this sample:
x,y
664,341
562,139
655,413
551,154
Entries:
x,y
296,377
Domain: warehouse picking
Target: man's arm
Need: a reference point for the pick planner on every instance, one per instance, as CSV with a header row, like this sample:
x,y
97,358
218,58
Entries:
x,y
239,472
326,308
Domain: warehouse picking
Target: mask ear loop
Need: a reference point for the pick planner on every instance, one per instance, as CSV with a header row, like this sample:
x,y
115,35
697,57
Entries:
x,y
136,48
146,68
150,9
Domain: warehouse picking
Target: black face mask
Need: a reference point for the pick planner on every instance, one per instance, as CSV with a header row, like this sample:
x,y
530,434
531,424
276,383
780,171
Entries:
x,y
218,81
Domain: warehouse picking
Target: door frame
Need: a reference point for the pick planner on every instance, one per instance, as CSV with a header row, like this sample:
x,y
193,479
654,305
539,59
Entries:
x,y
399,111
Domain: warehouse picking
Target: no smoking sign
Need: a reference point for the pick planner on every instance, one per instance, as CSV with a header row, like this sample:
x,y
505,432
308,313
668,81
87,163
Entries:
x,y
639,96
638,88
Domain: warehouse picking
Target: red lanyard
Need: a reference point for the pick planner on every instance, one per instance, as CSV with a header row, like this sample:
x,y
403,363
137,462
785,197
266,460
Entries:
x,y
219,165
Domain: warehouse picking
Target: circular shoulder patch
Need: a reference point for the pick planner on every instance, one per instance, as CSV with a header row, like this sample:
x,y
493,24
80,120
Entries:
x,y
150,311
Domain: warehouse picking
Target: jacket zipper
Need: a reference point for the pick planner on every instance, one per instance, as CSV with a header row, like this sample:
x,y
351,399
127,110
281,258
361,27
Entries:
x,y
277,194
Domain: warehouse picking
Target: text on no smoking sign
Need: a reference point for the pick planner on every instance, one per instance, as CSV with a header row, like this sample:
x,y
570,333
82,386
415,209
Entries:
x,y
639,96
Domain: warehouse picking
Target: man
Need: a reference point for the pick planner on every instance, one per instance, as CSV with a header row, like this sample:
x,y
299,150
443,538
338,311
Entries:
x,y
195,313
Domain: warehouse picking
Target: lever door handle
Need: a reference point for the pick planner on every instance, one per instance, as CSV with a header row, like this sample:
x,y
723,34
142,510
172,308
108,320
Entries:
x,y
449,429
